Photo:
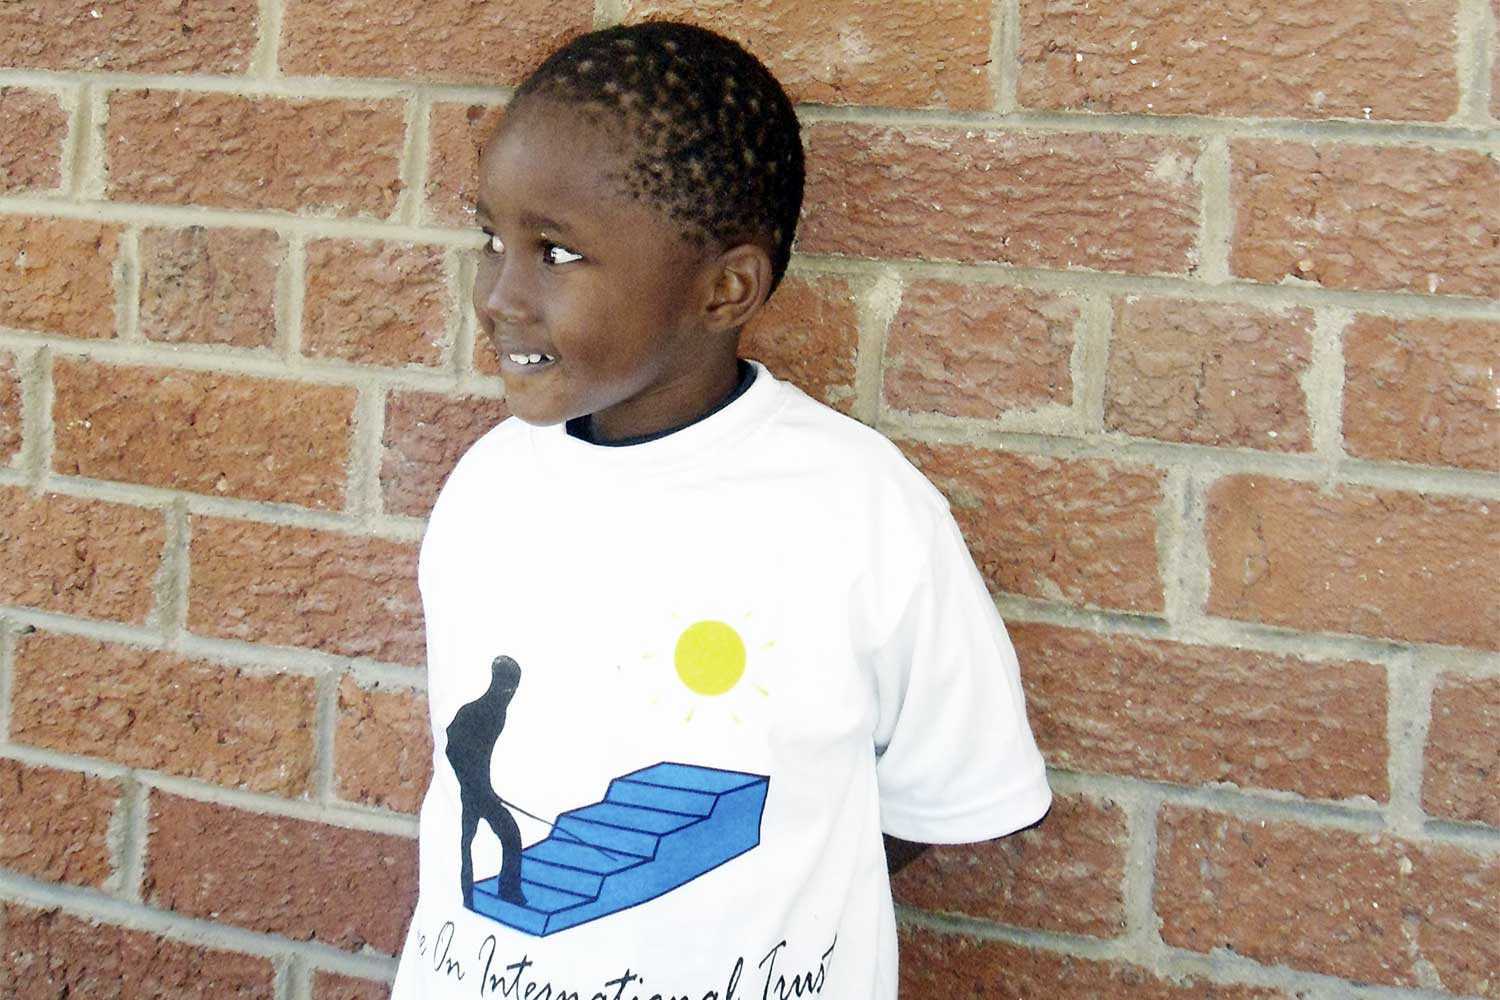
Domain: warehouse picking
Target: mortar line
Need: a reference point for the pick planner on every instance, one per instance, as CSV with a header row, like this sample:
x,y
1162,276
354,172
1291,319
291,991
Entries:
x,y
295,266
413,165
453,264
287,980
1476,36
130,870
76,105
92,176
128,287
171,587
465,333
265,61
1323,386
10,632
1408,716
363,500
876,307
33,370
1005,58
608,13
1141,934
1089,363
42,423
251,86
1216,227
1174,542
324,731
365,819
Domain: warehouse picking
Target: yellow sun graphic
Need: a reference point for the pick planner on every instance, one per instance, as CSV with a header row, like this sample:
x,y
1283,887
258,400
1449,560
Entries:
x,y
710,657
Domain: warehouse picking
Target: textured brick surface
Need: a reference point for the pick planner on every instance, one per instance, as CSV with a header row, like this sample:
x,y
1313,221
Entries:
x,y
343,594
1367,907
1112,203
458,41
226,151
809,336
425,434
375,303
1462,776
35,126
978,350
164,712
78,557
54,823
210,286
1373,562
10,408
1204,373
275,875
1167,711
57,276
382,746
1083,532
1364,59
457,133
1423,390
143,36
204,432
327,986
1356,216
47,955
850,52
1065,875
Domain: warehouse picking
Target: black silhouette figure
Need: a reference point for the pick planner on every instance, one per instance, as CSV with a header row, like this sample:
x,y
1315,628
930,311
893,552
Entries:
x,y
471,742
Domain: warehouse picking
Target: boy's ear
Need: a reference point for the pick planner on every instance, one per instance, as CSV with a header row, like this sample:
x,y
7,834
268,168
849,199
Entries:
x,y
741,284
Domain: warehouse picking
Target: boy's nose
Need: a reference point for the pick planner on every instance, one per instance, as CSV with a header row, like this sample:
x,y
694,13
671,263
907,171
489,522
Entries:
x,y
501,296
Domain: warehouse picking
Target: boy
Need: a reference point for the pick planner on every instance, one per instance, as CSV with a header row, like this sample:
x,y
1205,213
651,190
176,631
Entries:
x,y
705,638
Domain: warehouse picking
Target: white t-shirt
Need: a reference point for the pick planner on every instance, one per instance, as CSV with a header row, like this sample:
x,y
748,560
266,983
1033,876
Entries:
x,y
744,650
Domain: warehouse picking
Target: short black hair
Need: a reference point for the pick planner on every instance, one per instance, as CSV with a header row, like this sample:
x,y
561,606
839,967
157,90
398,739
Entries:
x,y
712,139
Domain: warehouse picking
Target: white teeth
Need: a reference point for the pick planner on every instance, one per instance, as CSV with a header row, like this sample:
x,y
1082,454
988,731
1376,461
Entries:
x,y
529,359
535,358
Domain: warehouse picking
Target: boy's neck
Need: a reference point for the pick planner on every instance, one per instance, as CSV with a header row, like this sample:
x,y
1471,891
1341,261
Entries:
x,y
587,428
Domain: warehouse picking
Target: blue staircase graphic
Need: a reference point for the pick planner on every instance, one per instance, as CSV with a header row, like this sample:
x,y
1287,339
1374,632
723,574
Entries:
x,y
657,829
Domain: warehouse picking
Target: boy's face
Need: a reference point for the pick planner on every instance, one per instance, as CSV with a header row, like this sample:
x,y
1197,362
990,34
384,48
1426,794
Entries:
x,y
605,288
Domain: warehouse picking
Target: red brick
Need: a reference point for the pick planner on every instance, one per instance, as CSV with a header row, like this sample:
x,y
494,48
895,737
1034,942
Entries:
x,y
1368,907
79,557
204,432
157,710
10,409
485,361
457,133
455,41
324,157
376,303
1167,711
210,286
1363,59
1108,202
425,434
1067,874
1204,373
54,824
1367,561
47,954
35,127
307,881
1083,532
328,986
849,52
809,336
57,276
343,594
1422,390
979,350
1374,217
382,746
143,36
1462,776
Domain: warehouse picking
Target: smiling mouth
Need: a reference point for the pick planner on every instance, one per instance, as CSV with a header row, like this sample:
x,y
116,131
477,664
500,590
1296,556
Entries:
x,y
529,360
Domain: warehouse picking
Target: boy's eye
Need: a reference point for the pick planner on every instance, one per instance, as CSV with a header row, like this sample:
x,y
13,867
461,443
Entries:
x,y
554,254
494,245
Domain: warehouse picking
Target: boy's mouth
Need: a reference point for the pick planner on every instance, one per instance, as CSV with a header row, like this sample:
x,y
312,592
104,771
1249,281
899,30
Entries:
x,y
530,361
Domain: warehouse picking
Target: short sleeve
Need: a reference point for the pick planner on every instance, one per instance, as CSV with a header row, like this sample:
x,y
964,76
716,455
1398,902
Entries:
x,y
956,759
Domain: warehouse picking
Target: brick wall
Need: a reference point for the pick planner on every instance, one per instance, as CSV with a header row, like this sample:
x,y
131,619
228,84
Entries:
x,y
1193,309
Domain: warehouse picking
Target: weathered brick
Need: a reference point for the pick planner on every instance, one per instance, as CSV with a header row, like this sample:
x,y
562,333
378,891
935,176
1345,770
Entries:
x,y
1422,390
79,557
48,954
325,157
343,594
158,710
346,888
1462,776
809,336
1068,874
1376,217
376,303
1373,562
456,41
1083,532
328,986
35,126
1168,711
425,434
10,409
210,286
1368,907
1364,59
1108,202
57,276
143,36
979,350
204,432
457,133
54,824
382,746
1205,373
848,52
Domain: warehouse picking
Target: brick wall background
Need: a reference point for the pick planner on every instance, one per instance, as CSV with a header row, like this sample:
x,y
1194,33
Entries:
x,y
1193,309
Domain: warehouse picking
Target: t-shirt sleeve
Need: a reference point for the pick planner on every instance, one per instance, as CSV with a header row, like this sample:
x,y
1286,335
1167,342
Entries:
x,y
956,759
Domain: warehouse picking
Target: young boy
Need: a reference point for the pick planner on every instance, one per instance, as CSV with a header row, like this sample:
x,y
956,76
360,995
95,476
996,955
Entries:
x,y
694,640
